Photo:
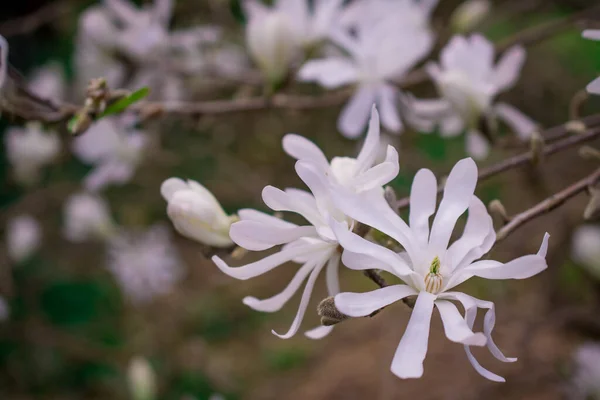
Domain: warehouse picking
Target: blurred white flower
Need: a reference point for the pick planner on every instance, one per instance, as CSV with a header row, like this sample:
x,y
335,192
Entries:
x,y
29,149
142,379
196,213
114,148
592,34
87,216
585,248
145,264
469,14
313,245
48,82
404,14
3,61
23,238
429,267
585,379
468,82
376,54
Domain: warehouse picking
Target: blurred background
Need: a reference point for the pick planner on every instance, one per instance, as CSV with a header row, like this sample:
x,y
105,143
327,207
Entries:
x,y
72,326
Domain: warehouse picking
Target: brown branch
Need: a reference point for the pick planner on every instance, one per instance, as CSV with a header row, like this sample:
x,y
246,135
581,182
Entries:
x,y
548,204
31,22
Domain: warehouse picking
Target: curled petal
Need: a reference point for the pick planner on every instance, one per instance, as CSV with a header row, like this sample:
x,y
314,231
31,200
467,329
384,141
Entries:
x,y
363,304
303,149
319,332
456,327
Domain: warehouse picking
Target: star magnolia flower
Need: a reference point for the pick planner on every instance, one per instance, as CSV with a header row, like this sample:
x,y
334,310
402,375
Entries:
x,y
113,149
86,217
468,80
586,248
593,87
29,149
23,238
585,380
145,264
314,245
375,56
196,213
429,267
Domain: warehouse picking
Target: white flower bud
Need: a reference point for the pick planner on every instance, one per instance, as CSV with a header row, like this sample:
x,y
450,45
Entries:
x,y
142,379
272,43
196,213
469,14
23,238
87,217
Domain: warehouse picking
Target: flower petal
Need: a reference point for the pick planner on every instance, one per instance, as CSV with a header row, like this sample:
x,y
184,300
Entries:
x,y
249,214
518,122
332,274
423,197
257,236
594,87
355,114
363,304
380,174
303,149
368,154
592,34
477,145
387,100
411,352
170,186
319,332
330,72
456,327
509,67
294,201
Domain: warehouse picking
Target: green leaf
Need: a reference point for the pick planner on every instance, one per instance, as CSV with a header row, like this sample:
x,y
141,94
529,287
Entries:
x,y
122,104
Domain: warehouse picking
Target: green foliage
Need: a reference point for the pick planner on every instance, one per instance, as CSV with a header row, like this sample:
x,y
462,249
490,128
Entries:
x,y
285,358
122,104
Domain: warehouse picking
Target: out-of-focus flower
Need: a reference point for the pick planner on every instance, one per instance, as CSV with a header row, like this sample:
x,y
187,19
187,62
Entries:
x,y
196,213
376,54
469,14
145,264
113,148
3,62
87,216
142,379
29,149
469,81
23,238
313,245
429,267
404,14
585,248
48,82
592,34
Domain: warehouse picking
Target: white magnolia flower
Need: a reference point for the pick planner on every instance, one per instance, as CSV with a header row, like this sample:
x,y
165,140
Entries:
x,y
429,267
23,238
87,216
142,379
313,245
48,82
468,82
29,149
592,34
196,213
376,54
469,14
145,264
113,148
586,248
585,380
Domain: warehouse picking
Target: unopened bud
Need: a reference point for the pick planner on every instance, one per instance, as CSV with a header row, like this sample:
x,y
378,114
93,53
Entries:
x,y
537,148
328,312
576,127
469,14
496,208
589,153
142,380
592,210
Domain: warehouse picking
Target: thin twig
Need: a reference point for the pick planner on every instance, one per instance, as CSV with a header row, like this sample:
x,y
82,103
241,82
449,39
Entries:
x,y
548,204
31,22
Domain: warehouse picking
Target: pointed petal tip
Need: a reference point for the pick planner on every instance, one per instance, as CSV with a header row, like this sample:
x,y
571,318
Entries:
x,y
285,336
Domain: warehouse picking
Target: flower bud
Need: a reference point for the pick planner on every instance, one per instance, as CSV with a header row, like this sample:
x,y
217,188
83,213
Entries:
x,y
196,213
469,14
142,380
23,237
87,217
329,313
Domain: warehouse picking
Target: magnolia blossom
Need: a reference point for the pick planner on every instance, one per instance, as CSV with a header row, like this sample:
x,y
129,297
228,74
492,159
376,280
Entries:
x,y
113,148
586,248
429,267
469,81
196,213
23,238
145,264
87,216
48,82
314,244
29,149
593,87
376,54
585,380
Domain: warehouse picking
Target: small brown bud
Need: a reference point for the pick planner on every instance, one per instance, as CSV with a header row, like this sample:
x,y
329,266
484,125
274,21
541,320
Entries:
x,y
576,127
329,314
238,253
496,208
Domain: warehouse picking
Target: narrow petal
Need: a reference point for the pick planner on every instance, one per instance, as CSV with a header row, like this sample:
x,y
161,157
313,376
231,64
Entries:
x,y
594,87
363,304
294,201
257,236
170,186
380,174
458,192
456,327
319,332
355,114
368,154
592,34
303,149
452,126
332,274
509,67
330,73
387,100
248,214
477,145
519,123
411,352
423,197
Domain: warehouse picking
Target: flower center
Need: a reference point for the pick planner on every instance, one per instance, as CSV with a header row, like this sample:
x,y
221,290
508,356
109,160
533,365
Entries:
x,y
434,280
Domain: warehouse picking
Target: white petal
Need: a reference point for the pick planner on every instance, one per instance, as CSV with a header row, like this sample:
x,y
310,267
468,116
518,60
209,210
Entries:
x,y
123,10
380,174
423,196
459,189
363,304
303,149
276,302
257,236
368,154
520,123
163,10
509,67
278,200
593,34
170,186
259,216
411,352
594,87
329,72
452,126
477,145
456,327
332,274
355,114
387,100
319,332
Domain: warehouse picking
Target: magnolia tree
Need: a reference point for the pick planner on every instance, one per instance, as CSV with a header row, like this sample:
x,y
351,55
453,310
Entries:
x,y
131,68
